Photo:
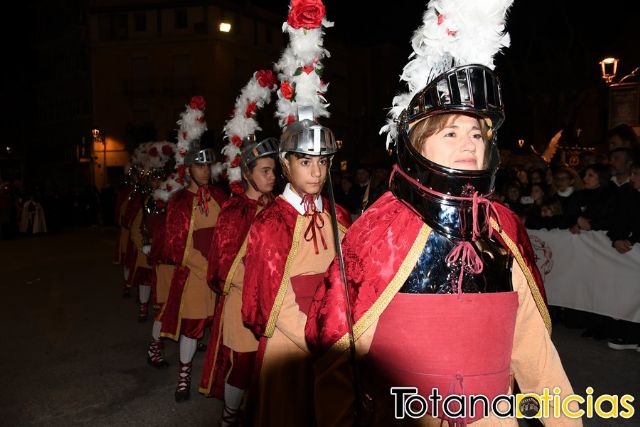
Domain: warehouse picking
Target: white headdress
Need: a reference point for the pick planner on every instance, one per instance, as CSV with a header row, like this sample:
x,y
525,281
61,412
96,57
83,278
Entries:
x,y
300,67
453,33
192,126
243,124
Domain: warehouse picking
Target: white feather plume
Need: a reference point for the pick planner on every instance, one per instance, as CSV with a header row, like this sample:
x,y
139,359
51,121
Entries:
x,y
453,33
254,94
300,66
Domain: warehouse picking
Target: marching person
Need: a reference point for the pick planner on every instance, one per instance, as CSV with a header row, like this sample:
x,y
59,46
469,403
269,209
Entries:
x,y
191,218
292,242
441,282
250,168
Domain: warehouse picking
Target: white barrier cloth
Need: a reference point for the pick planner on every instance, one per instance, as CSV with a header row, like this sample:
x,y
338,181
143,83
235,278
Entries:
x,y
584,272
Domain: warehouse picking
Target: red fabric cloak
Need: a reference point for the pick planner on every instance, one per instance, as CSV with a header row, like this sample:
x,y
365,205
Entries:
x,y
268,248
232,228
371,268
178,221
177,226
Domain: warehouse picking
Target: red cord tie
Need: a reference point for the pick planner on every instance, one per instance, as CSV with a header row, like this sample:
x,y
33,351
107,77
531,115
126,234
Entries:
x,y
317,221
463,251
203,196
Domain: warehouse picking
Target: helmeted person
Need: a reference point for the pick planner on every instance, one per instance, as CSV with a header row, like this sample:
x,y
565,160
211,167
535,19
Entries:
x,y
155,156
250,167
191,218
441,282
130,209
232,348
192,126
292,242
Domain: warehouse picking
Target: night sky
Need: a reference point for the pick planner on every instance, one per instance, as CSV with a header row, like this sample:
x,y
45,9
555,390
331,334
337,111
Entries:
x,y
551,70
551,64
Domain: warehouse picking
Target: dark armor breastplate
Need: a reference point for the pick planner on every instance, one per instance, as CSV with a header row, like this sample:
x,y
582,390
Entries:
x,y
432,275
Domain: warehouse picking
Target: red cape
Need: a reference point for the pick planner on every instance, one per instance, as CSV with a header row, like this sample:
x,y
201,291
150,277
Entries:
x,y
232,228
271,238
178,221
399,236
156,226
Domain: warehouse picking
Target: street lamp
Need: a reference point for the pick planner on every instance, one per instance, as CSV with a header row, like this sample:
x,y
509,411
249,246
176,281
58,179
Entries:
x,y
609,67
97,137
624,95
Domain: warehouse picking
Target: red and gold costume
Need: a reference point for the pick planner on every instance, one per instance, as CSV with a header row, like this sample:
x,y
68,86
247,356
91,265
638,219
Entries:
x,y
122,200
131,210
162,271
140,272
189,226
465,343
231,349
287,255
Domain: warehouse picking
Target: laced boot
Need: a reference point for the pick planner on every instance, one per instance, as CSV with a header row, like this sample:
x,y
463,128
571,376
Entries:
x,y
155,356
230,417
183,388
143,312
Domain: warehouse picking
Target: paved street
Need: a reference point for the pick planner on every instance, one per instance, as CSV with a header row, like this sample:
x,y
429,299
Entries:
x,y
74,354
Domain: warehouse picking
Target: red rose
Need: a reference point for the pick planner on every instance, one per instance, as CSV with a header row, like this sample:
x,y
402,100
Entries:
x,y
236,140
169,187
180,170
236,162
265,78
153,152
251,108
236,187
167,150
309,68
306,14
197,103
180,181
290,119
286,90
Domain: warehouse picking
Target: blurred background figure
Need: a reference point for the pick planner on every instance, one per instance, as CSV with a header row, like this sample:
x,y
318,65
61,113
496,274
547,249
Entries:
x,y
32,220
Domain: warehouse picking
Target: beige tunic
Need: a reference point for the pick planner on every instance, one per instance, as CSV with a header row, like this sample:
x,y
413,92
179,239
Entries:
x,y
534,363
198,300
235,335
286,375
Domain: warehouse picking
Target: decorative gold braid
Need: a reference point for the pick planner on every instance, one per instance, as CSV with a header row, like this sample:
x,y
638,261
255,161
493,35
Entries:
x,y
187,247
277,304
533,287
176,334
237,260
383,301
342,229
234,266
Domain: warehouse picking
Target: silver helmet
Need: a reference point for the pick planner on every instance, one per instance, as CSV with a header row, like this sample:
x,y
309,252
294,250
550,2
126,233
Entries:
x,y
253,150
198,155
306,136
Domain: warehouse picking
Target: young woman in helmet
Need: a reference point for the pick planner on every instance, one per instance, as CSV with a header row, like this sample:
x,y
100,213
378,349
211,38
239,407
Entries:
x,y
443,287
